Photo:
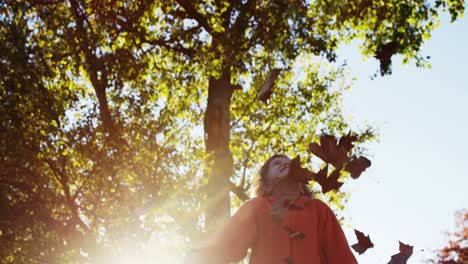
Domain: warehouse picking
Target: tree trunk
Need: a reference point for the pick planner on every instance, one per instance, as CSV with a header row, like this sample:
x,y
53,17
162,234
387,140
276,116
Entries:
x,y
217,137
94,66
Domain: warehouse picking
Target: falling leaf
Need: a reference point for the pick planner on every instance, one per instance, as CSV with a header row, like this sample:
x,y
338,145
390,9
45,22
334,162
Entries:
x,y
328,183
405,249
401,258
321,176
267,88
357,166
384,54
329,151
299,174
363,244
347,141
332,182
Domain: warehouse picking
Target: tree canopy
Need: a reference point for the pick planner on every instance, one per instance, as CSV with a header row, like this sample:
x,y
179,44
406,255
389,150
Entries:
x,y
103,146
456,250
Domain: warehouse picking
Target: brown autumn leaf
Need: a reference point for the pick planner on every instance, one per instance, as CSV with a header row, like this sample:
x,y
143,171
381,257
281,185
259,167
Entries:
x,y
363,243
299,174
347,141
329,151
328,183
357,166
267,88
401,258
321,176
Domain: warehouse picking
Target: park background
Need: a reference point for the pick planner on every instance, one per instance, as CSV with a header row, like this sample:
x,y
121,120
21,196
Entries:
x,y
104,110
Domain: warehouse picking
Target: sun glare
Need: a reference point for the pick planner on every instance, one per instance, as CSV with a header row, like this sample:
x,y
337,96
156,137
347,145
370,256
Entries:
x,y
161,248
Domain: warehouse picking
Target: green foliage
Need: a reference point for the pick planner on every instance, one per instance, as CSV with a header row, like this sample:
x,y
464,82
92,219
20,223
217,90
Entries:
x,y
101,106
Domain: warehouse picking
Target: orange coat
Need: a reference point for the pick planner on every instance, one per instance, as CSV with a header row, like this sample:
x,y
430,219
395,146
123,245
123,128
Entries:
x,y
252,227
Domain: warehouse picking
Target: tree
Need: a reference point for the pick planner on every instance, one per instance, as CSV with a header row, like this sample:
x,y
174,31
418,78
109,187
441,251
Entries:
x,y
457,249
101,109
275,32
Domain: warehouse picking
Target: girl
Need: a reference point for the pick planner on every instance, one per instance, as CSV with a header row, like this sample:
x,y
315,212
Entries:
x,y
284,223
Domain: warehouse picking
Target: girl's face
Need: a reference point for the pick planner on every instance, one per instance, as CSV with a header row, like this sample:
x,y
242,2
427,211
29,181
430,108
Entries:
x,y
278,169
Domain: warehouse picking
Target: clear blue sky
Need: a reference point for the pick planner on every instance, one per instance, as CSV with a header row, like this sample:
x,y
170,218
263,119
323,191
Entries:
x,y
419,175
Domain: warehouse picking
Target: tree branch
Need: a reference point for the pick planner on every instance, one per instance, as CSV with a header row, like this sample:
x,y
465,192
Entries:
x,y
193,13
93,65
227,15
159,42
162,43
63,180
239,25
238,191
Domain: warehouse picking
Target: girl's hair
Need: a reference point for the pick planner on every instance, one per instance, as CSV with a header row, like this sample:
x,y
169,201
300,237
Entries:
x,y
260,181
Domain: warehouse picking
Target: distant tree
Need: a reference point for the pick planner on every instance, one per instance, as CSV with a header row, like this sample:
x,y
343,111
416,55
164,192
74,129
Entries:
x,y
456,252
